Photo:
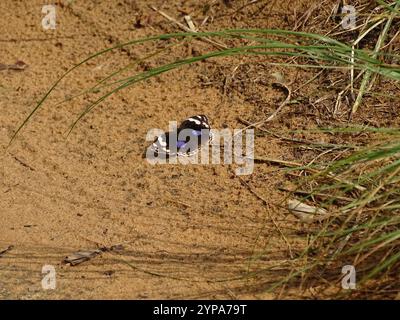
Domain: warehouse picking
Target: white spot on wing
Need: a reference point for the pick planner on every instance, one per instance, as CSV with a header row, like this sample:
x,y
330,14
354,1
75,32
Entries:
x,y
161,141
196,121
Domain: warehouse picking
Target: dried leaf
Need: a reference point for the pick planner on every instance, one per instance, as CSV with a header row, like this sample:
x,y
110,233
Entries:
x,y
116,247
81,256
306,213
19,65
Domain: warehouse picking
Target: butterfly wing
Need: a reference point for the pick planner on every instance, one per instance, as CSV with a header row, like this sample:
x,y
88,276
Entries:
x,y
189,130
161,145
197,123
195,129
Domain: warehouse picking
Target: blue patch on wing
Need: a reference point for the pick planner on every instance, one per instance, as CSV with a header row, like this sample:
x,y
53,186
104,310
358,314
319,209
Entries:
x,y
194,125
180,144
196,133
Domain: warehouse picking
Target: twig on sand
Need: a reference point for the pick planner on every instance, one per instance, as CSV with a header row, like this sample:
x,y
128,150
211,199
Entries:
x,y
2,252
312,170
315,194
188,29
271,217
23,164
303,141
18,65
190,23
275,113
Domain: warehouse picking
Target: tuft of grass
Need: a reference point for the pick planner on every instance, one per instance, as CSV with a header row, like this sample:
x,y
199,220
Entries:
x,y
364,231
392,12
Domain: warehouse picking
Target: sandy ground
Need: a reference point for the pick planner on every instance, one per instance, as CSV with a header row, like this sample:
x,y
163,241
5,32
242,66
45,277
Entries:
x,y
186,231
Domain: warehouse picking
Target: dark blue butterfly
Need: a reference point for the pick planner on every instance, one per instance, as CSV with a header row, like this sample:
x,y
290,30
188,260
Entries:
x,y
190,136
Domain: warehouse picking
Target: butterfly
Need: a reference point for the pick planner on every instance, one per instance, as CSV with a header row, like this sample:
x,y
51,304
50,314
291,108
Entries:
x,y
191,135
